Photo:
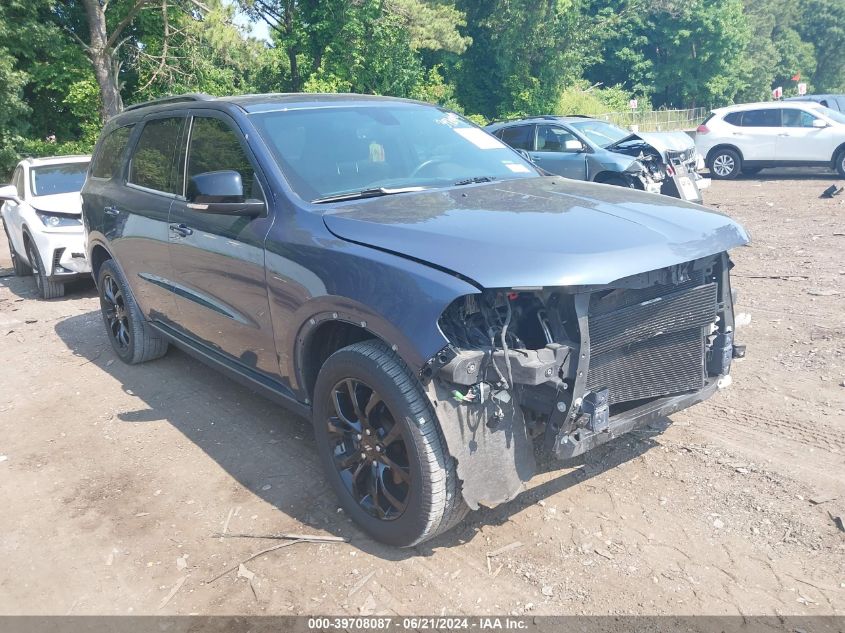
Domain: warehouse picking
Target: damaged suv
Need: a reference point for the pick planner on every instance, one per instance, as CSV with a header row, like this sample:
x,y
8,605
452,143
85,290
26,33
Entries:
x,y
434,304
584,148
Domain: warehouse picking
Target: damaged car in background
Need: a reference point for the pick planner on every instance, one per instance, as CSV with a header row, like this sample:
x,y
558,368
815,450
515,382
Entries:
x,y
439,308
584,148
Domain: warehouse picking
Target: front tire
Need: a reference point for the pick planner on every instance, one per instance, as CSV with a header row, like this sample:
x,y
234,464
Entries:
x,y
725,164
382,449
840,163
18,265
46,289
132,338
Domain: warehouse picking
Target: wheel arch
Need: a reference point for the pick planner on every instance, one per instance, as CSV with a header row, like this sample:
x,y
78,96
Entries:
x,y
323,338
715,148
837,153
99,255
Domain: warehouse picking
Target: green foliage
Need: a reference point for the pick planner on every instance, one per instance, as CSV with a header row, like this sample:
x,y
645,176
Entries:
x,y
488,58
523,53
823,26
582,98
19,148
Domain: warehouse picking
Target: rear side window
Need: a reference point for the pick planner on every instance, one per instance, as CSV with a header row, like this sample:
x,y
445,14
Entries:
x,y
216,147
769,117
734,118
112,151
793,117
519,136
152,164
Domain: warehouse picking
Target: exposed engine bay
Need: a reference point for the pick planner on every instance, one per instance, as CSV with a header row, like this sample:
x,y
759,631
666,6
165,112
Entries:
x,y
563,370
667,158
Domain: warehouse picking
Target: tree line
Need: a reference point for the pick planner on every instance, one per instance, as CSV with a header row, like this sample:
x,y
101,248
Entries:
x,y
66,65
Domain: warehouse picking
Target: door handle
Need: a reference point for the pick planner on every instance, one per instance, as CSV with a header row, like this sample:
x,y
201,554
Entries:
x,y
111,211
182,230
783,134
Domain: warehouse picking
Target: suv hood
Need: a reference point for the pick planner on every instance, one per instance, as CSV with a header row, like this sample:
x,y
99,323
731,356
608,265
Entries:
x,y
543,231
70,203
662,142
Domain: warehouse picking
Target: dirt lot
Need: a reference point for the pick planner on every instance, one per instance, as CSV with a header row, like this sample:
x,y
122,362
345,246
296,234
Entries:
x,y
115,478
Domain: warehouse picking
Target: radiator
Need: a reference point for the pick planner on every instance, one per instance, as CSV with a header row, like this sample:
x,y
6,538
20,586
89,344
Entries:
x,y
652,347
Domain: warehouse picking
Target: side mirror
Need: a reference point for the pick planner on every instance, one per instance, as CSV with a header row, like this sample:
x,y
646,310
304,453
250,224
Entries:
x,y
818,123
574,145
10,193
221,192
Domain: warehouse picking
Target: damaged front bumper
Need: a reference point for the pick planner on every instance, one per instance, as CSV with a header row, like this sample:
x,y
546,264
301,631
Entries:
x,y
564,370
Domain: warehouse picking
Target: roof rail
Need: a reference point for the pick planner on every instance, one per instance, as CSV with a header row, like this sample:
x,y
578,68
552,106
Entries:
x,y
548,117
579,116
193,96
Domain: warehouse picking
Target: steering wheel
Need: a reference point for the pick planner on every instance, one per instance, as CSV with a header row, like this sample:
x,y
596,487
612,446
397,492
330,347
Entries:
x,y
428,163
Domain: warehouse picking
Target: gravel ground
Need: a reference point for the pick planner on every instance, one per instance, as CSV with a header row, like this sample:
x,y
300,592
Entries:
x,y
116,478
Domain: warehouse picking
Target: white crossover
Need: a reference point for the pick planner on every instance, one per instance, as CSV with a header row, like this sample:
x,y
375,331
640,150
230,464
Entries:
x,y
743,139
42,218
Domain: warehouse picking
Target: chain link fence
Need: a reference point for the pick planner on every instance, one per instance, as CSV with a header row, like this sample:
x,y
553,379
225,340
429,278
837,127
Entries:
x,y
657,120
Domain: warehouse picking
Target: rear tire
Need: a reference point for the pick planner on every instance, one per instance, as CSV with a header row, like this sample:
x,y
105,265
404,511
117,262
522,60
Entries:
x,y
18,265
725,164
46,289
840,163
383,452
133,339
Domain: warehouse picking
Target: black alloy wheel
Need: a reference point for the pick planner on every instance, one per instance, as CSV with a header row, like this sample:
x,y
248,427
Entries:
x,y
382,448
114,311
131,336
368,450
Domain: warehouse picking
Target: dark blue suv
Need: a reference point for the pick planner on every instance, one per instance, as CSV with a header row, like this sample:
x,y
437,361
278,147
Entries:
x,y
435,305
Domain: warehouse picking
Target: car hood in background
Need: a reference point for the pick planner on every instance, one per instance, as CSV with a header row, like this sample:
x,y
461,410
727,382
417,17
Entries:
x,y
660,141
543,231
58,203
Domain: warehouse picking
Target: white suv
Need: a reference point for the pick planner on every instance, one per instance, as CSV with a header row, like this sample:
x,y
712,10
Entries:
x,y
750,137
42,217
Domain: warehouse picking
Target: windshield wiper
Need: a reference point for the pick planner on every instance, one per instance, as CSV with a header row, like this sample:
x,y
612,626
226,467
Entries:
x,y
475,180
375,192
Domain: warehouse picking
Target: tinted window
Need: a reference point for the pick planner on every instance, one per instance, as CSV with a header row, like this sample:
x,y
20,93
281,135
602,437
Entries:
x,y
519,136
551,138
734,118
152,164
330,151
215,147
797,118
769,117
112,151
53,179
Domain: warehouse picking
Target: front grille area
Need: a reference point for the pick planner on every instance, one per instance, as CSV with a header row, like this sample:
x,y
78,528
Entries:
x,y
651,348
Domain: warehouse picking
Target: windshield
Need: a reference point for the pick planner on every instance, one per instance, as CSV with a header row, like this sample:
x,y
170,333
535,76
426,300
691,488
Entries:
x,y
601,133
833,115
53,179
330,151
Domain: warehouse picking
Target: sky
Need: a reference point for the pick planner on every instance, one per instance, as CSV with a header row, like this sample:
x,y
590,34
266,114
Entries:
x,y
259,30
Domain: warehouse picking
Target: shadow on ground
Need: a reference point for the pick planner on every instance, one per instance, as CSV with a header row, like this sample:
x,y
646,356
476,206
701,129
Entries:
x,y
256,441
24,287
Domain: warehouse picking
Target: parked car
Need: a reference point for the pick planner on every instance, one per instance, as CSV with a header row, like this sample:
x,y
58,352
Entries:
x,y
42,222
584,148
753,136
834,102
417,288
